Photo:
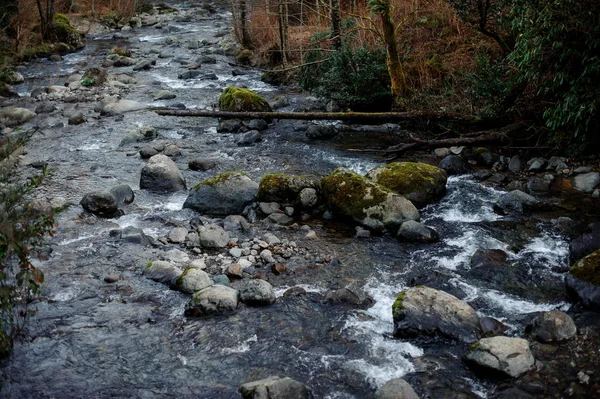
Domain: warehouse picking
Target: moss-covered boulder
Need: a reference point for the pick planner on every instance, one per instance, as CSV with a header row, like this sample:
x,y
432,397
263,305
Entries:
x,y
419,182
94,77
236,99
225,194
284,189
351,195
65,33
120,51
583,280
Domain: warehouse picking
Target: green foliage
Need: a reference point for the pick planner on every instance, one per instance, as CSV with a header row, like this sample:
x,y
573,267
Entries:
x,y
354,77
489,85
22,231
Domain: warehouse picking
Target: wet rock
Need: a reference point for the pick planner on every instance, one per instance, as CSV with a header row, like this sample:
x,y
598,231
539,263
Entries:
x,y
416,232
258,124
280,218
514,165
178,234
123,61
426,311
349,295
193,279
256,292
7,91
268,207
586,182
554,326
16,116
583,280
274,388
485,157
162,272
516,200
221,279
556,163
164,95
100,203
354,196
396,388
454,165
214,300
308,198
249,138
586,243
280,102
123,194
213,236
538,185
321,132
141,133
134,235
76,118
161,174
12,77
492,327
202,164
236,99
282,188
582,169
144,65
225,194
500,356
112,278
229,125
172,151
422,184
536,164
148,152
236,223
121,107
191,74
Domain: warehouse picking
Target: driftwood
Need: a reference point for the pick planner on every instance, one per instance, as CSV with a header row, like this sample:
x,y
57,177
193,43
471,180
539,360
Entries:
x,y
342,116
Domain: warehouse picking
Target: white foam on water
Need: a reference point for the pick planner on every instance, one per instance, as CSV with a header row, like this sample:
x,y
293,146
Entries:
x,y
463,248
548,250
477,388
151,39
279,291
65,295
512,305
76,239
243,347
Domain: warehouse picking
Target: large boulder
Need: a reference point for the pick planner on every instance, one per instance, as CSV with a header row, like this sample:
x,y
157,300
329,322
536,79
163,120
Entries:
x,y
396,388
121,107
554,326
225,194
16,116
274,387
454,165
586,182
354,196
213,300
421,183
583,280
193,279
426,311
256,292
100,203
65,33
236,99
282,188
516,200
163,272
212,236
500,356
161,174
586,243
413,231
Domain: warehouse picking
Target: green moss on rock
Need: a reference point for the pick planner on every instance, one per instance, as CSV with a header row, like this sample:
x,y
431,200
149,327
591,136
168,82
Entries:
x,y
121,51
94,77
588,269
65,33
221,177
419,182
284,188
397,305
236,99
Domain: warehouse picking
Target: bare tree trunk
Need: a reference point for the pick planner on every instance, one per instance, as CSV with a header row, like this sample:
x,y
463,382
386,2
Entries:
x,y
336,38
46,18
243,26
282,32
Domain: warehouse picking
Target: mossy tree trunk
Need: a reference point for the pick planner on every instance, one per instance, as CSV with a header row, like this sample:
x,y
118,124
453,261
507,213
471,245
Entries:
x,y
336,37
399,86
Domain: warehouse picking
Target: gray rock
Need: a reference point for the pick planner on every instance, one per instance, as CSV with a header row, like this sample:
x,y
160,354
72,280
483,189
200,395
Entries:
x,y
267,256
425,311
212,236
7,91
271,239
274,388
122,61
192,74
236,252
516,201
583,280
501,356
12,77
123,194
16,116
148,152
258,124
586,182
202,164
176,255
538,185
454,165
514,165
280,218
221,279
229,125
163,272
416,232
596,193
225,194
268,207
236,223
134,235
178,235
583,169
249,138
45,108
256,292
555,163
172,151
536,164
214,300
457,150
164,95
193,279
144,65
396,388
554,326
321,132
161,174
100,203
282,188
141,133
121,107
308,198
442,152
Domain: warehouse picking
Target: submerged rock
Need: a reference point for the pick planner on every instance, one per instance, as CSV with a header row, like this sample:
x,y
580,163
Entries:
x,y
161,174
583,280
274,388
500,356
236,99
426,311
282,188
225,194
421,183
321,132
216,299
417,232
354,196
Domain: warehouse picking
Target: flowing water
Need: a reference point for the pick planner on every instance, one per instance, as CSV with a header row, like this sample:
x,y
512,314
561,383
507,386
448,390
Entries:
x,y
130,339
